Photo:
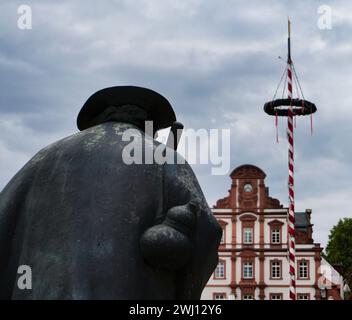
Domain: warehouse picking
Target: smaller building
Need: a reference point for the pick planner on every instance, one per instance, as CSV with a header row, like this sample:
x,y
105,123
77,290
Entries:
x,y
331,281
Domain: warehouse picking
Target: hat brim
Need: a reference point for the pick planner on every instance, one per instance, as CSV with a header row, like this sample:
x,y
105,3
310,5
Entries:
x,y
158,107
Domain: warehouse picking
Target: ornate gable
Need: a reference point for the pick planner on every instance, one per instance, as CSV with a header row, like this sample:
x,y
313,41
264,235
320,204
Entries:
x,y
248,191
247,171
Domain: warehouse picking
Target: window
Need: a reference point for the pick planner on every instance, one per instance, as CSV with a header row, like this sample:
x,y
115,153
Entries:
x,y
247,228
248,235
275,296
219,296
275,232
223,227
275,269
303,269
303,296
220,270
248,297
275,236
222,241
248,270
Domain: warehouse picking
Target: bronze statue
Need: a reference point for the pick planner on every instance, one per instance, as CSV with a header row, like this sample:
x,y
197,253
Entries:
x,y
93,227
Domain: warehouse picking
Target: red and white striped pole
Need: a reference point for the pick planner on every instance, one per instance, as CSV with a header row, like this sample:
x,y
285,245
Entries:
x,y
291,192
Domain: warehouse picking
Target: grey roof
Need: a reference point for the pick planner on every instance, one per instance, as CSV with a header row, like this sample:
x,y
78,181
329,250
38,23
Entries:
x,y
301,221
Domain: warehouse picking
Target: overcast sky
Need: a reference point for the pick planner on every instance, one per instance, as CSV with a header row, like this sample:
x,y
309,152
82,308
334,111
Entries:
x,y
216,61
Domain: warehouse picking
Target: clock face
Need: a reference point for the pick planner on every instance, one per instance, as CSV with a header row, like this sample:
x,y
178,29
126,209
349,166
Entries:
x,y
247,187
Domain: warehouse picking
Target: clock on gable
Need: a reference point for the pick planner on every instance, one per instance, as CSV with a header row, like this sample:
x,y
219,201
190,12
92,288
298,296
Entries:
x,y
248,187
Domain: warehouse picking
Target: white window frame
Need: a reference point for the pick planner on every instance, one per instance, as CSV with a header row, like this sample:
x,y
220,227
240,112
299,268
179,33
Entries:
x,y
219,296
248,297
303,269
276,236
247,235
303,296
219,272
275,296
275,271
248,270
222,241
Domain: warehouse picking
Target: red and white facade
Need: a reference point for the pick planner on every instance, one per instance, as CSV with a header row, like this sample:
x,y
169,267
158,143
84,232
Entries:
x,y
253,254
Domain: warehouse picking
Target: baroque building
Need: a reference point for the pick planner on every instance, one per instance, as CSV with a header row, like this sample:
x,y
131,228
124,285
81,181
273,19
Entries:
x,y
253,252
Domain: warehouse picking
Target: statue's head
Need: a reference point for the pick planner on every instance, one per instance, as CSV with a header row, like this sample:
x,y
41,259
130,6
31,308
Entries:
x,y
126,104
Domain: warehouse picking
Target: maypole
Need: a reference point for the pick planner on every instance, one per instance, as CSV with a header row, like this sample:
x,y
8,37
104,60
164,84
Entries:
x,y
290,108
291,184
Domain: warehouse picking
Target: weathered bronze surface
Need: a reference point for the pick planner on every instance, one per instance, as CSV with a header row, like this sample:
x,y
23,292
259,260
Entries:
x,y
92,227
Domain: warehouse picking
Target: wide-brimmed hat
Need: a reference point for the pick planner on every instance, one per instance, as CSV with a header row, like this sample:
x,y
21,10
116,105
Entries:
x,y
157,106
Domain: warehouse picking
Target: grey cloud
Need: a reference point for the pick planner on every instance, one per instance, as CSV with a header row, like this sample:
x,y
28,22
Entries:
x,y
217,63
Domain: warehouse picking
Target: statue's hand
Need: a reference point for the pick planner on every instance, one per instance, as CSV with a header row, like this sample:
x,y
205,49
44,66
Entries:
x,y
169,245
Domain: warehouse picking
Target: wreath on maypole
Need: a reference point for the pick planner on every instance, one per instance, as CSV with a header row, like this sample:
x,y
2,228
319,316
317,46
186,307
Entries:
x,y
300,107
